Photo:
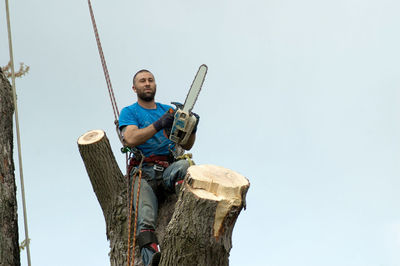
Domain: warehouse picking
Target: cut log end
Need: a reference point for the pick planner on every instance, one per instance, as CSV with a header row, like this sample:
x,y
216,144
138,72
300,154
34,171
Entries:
x,y
91,137
219,184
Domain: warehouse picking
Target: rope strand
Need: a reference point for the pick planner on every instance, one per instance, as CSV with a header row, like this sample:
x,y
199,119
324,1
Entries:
x,y
130,218
136,216
104,64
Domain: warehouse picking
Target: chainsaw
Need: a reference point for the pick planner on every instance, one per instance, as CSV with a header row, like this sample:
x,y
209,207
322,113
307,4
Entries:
x,y
184,120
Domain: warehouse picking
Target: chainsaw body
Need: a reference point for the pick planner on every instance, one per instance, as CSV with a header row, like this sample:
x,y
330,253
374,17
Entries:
x,y
182,127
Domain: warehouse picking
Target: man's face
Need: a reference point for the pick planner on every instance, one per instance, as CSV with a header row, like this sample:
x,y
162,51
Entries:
x,y
145,86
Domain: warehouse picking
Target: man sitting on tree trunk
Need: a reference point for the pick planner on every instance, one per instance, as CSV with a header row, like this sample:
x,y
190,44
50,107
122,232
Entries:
x,y
142,125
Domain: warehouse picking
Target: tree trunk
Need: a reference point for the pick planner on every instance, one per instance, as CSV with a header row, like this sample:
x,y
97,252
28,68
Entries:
x,y
200,231
9,248
203,214
110,188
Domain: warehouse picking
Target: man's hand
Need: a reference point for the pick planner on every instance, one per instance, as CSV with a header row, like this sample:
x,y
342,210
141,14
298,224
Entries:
x,y
165,121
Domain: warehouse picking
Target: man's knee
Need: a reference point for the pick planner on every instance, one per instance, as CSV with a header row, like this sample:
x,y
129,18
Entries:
x,y
182,165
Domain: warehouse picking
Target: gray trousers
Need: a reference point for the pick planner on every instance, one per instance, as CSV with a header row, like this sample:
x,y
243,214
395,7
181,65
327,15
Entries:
x,y
161,180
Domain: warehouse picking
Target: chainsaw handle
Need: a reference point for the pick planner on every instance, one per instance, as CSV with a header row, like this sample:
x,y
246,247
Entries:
x,y
178,105
167,131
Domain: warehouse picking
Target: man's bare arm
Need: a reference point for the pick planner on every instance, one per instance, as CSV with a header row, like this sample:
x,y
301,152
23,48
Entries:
x,y
133,136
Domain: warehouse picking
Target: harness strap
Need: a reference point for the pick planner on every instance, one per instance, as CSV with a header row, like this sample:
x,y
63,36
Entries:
x,y
162,160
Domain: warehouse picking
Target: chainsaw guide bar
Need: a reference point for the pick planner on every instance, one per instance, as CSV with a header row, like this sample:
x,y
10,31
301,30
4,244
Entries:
x,y
184,120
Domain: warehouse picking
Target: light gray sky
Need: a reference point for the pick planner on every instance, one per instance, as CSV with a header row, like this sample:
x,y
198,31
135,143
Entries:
x,y
301,97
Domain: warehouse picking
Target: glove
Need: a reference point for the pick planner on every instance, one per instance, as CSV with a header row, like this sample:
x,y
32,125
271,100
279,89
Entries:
x,y
165,121
197,122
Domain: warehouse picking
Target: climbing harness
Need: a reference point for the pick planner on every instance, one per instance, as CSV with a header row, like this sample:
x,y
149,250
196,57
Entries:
x,y
160,160
25,243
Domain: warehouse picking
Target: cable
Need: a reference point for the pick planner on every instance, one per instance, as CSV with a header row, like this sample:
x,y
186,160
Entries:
x,y
28,253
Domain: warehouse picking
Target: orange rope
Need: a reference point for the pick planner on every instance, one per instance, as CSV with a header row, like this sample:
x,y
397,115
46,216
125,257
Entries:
x,y
129,221
130,217
136,216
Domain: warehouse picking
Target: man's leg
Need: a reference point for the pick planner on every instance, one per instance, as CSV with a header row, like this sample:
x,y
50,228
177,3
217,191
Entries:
x,y
175,173
147,216
148,205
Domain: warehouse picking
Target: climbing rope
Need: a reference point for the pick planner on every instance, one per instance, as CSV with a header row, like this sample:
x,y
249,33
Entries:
x,y
130,221
104,64
125,150
27,240
107,77
136,214
136,217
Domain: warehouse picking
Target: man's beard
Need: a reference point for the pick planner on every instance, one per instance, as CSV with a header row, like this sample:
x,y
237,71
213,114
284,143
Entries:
x,y
146,96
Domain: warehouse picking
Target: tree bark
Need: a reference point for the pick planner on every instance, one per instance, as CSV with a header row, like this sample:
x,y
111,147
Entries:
x,y
110,188
203,214
200,231
9,248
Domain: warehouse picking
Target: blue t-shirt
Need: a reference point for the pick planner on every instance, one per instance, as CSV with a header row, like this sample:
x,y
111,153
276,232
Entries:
x,y
141,117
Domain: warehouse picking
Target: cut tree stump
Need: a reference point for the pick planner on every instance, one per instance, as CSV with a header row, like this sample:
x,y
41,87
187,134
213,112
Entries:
x,y
203,215
110,187
200,231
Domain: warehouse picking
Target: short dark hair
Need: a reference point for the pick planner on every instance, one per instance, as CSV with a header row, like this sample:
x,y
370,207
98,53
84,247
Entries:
x,y
140,71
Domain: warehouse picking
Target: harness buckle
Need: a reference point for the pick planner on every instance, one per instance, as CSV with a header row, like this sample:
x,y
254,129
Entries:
x,y
158,168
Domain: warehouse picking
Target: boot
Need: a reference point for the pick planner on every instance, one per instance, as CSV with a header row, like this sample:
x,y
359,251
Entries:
x,y
178,186
147,241
155,260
